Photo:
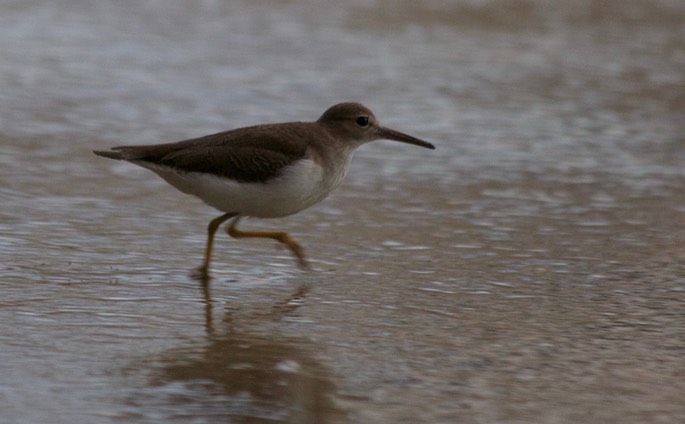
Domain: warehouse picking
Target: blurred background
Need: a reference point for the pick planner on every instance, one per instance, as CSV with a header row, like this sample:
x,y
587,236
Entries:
x,y
530,269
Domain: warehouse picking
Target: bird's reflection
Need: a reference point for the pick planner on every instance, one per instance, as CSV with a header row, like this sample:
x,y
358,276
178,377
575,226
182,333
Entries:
x,y
250,376
279,309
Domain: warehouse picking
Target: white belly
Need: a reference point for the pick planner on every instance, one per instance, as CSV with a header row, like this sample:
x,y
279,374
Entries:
x,y
299,187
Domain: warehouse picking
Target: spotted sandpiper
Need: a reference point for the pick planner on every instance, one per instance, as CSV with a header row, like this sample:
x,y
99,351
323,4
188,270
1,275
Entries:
x,y
264,171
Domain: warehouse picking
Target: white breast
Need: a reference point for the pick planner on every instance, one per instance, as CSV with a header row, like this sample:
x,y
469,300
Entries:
x,y
301,185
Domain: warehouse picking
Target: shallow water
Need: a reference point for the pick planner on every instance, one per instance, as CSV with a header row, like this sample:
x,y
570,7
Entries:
x,y
528,270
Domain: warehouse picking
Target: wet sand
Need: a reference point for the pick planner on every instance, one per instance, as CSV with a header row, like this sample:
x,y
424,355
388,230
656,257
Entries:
x,y
528,270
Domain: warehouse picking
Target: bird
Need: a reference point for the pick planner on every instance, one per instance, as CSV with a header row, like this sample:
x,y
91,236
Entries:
x,y
263,171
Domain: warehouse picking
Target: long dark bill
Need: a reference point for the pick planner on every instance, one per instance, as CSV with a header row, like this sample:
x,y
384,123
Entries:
x,y
389,134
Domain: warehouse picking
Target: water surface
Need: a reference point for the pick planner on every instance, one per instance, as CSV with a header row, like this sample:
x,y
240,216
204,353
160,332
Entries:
x,y
528,270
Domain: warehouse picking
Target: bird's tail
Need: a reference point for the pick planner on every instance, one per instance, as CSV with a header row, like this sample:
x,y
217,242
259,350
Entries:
x,y
112,154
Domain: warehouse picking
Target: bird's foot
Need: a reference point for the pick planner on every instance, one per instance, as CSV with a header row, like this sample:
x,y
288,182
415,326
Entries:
x,y
294,247
201,274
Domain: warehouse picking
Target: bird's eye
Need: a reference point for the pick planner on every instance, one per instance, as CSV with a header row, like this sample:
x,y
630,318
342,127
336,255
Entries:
x,y
363,121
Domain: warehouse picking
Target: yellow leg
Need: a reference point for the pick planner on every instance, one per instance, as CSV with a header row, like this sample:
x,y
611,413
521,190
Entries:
x,y
280,237
202,272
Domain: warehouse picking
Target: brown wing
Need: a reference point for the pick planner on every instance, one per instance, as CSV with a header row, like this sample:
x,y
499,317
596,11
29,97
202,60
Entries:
x,y
251,154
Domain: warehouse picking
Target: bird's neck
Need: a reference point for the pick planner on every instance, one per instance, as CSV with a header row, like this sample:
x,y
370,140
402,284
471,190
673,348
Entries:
x,y
334,161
